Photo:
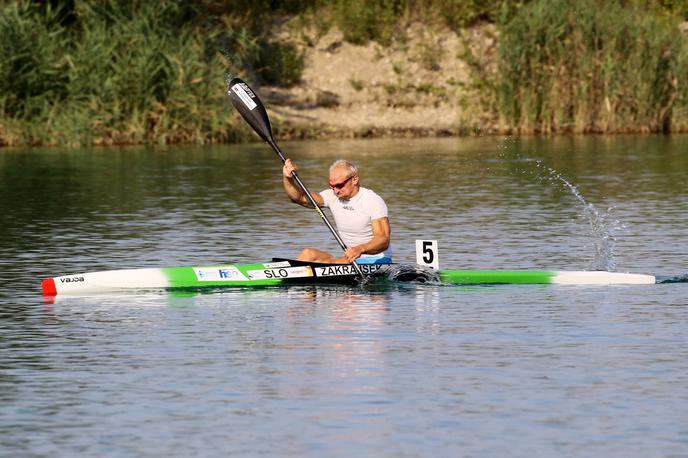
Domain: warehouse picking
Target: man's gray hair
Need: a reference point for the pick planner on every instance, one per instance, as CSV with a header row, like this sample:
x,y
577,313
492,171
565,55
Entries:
x,y
351,168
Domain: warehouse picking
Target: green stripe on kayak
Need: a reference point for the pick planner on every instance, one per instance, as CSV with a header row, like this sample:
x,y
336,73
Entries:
x,y
484,277
231,275
238,275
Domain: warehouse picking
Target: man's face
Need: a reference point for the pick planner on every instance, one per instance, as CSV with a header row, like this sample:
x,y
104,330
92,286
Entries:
x,y
343,185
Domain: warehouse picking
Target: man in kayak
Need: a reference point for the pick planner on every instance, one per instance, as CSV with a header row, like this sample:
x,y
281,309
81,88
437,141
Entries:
x,y
359,213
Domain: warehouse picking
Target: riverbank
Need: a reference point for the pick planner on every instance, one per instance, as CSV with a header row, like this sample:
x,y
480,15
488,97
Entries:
x,y
430,85
420,87
105,74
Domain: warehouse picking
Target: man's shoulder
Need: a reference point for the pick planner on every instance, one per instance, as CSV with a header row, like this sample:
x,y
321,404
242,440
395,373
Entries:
x,y
373,203
369,193
327,194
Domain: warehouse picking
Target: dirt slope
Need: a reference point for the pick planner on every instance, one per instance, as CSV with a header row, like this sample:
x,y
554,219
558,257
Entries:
x,y
419,86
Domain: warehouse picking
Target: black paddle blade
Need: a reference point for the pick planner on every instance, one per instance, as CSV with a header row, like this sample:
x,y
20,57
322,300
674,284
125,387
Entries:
x,y
247,103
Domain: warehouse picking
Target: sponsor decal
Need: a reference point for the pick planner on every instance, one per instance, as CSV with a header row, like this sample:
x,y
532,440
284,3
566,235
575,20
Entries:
x,y
281,272
221,273
273,265
345,269
71,279
245,94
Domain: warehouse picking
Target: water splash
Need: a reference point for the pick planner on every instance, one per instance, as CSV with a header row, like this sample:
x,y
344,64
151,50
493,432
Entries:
x,y
229,64
414,273
228,79
602,226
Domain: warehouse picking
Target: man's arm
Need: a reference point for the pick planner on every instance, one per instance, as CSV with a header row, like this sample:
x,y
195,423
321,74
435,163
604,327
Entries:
x,y
378,244
294,191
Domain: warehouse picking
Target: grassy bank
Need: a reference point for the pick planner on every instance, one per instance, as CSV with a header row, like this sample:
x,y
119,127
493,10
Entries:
x,y
571,66
91,72
126,72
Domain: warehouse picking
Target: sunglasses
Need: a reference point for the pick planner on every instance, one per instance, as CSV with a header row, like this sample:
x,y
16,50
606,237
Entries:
x,y
340,185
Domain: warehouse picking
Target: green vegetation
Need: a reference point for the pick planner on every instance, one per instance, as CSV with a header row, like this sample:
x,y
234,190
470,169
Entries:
x,y
128,72
590,66
94,72
362,21
357,84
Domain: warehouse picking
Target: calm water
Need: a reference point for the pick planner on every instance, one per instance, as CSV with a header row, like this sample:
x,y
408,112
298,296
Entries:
x,y
390,371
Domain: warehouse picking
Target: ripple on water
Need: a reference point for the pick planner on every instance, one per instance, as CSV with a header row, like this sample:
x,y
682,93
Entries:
x,y
383,370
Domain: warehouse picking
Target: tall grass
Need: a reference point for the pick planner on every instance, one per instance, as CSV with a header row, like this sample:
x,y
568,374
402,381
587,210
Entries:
x,y
362,21
591,66
127,72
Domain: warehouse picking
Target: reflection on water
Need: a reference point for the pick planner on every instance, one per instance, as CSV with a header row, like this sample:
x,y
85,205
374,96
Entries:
x,y
379,370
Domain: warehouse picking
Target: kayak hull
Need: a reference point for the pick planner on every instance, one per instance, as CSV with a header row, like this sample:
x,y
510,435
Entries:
x,y
287,272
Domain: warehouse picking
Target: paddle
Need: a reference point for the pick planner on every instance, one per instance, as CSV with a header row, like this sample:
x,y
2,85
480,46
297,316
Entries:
x,y
249,106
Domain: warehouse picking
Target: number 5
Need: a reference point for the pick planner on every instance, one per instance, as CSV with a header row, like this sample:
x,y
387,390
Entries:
x,y
427,253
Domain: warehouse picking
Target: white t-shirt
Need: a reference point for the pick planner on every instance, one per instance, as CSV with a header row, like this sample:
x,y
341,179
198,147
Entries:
x,y
354,217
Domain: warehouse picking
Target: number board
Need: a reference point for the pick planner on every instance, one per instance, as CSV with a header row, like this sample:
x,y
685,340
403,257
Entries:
x,y
427,254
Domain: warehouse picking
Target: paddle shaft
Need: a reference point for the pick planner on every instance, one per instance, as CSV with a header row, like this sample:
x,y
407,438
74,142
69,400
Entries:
x,y
315,205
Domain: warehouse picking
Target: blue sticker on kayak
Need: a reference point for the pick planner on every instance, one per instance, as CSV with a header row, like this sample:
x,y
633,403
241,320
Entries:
x,y
222,273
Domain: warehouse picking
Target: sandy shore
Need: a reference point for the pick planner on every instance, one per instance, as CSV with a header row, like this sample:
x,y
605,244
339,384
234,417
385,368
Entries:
x,y
420,87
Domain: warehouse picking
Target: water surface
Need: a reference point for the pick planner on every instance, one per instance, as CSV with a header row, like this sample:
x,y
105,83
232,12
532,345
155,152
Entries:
x,y
387,370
